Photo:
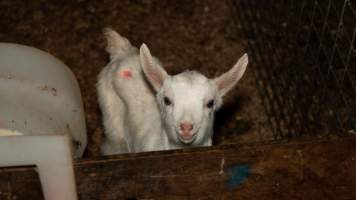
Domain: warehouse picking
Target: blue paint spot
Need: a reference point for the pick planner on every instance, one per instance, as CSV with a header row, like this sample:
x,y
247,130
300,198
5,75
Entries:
x,y
238,174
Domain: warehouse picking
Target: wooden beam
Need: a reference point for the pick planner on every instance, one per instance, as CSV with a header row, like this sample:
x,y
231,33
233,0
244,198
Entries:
x,y
298,170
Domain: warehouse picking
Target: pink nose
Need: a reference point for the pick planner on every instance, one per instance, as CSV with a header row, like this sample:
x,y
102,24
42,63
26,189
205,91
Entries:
x,y
186,127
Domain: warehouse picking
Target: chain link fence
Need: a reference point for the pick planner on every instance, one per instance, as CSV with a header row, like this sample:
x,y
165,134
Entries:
x,y
304,58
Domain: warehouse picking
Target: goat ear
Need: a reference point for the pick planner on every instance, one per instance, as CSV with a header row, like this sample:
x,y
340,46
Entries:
x,y
228,80
152,70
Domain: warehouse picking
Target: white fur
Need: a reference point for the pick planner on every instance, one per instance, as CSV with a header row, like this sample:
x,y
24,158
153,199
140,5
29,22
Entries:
x,y
136,119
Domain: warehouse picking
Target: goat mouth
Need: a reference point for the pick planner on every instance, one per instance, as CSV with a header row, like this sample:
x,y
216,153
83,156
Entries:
x,y
187,140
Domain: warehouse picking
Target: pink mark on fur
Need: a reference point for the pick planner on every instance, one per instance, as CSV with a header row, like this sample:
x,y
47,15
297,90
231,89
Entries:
x,y
2,125
126,73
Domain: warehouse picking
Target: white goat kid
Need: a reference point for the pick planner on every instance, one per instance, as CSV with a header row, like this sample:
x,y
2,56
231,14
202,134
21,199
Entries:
x,y
145,109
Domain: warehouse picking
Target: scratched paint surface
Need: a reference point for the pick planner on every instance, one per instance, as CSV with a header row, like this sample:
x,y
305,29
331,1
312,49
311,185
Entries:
x,y
238,175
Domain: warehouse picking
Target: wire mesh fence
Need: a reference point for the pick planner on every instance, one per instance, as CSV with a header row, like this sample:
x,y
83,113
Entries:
x,y
304,59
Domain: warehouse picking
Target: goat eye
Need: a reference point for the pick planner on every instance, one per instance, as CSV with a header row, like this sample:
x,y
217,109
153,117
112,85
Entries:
x,y
210,103
167,102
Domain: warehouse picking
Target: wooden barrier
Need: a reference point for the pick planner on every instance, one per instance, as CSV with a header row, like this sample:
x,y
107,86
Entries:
x,y
297,170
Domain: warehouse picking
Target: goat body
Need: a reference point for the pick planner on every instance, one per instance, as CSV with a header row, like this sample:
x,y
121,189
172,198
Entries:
x,y
145,109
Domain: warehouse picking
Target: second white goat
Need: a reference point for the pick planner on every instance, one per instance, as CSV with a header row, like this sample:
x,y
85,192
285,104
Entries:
x,y
145,109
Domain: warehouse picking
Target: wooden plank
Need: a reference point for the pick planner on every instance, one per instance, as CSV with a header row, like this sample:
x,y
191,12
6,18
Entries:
x,y
298,170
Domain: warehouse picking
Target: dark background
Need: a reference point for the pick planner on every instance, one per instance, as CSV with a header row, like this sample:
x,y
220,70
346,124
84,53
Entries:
x,y
188,34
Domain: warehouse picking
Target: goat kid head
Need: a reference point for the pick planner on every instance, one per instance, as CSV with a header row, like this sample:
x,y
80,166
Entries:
x,y
188,100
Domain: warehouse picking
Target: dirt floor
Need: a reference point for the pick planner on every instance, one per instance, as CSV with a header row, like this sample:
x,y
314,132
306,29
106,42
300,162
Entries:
x,y
188,34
